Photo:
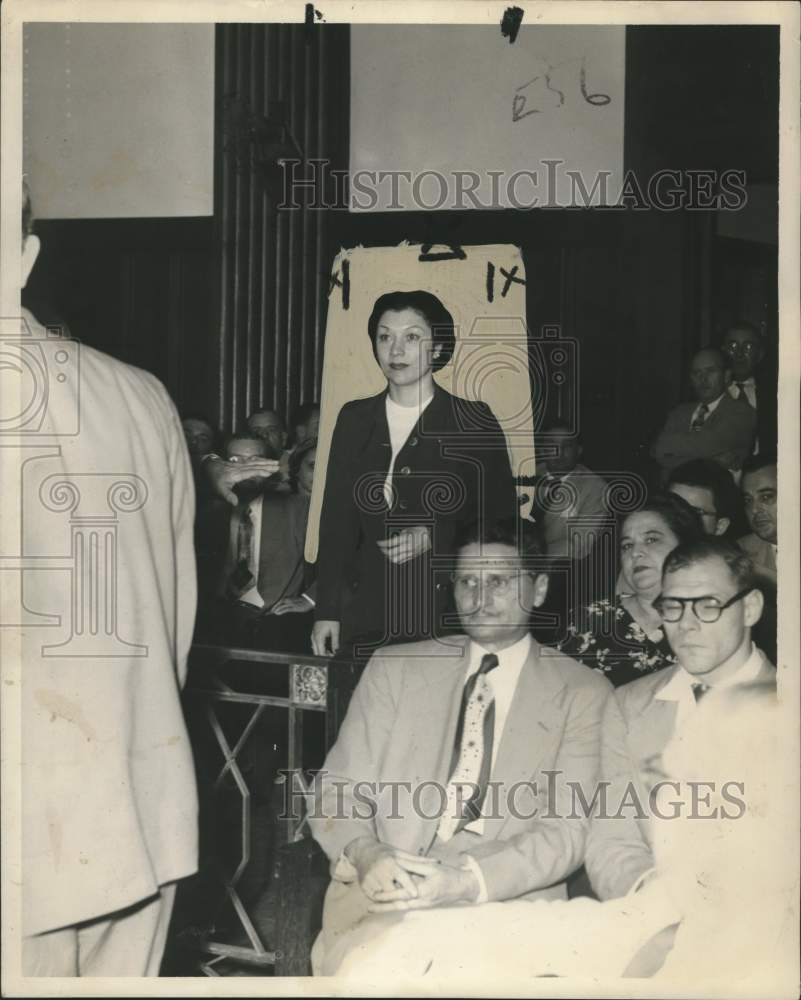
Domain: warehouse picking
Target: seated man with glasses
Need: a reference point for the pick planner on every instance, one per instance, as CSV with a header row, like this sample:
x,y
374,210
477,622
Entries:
x,y
710,602
711,492
753,378
450,781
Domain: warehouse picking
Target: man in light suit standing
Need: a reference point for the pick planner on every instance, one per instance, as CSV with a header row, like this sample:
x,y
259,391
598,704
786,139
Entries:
x,y
709,603
109,805
715,426
448,782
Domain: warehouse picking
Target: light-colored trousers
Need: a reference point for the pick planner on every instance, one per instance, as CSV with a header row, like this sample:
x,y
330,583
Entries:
x,y
129,942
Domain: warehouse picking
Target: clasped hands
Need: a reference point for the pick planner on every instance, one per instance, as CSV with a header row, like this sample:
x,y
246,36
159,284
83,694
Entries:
x,y
396,880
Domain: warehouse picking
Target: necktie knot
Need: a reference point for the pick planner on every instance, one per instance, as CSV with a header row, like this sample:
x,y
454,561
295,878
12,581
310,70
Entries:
x,y
699,690
489,661
700,417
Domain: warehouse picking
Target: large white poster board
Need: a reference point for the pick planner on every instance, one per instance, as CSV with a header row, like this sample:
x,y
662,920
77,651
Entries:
x,y
483,287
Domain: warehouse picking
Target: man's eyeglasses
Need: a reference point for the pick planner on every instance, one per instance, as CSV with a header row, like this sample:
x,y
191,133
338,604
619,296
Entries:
x,y
705,609
495,583
747,348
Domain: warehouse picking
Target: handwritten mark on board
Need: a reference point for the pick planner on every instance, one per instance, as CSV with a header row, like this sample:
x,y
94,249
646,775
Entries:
x,y
344,284
452,253
510,277
510,23
540,93
520,101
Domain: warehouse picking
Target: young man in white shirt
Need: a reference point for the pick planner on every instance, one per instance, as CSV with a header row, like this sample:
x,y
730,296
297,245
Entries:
x,y
710,602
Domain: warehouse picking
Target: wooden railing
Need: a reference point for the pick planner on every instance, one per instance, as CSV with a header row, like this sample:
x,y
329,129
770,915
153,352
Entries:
x,y
217,676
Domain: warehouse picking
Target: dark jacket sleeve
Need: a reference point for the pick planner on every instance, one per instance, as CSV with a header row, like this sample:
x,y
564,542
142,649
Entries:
x,y
339,524
500,495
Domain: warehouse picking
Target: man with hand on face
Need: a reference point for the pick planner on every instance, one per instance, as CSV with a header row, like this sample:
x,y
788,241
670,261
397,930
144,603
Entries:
x,y
715,426
263,557
270,427
447,783
709,604
710,490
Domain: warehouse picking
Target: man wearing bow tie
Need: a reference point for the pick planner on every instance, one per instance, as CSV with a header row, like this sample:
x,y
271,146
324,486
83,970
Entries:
x,y
448,781
710,602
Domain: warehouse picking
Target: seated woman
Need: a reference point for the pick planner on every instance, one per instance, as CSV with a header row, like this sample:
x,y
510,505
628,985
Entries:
x,y
405,468
623,638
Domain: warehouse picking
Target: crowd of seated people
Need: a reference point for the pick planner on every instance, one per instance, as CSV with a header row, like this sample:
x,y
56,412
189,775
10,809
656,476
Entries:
x,y
521,762
456,690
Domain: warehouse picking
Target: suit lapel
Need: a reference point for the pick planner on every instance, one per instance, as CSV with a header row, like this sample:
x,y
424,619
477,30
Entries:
x,y
436,706
533,727
652,727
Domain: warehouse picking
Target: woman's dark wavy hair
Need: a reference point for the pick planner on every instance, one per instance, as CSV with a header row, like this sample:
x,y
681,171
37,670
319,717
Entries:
x,y
674,510
433,312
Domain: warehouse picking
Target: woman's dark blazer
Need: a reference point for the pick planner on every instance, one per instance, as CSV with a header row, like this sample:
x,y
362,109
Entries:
x,y
453,468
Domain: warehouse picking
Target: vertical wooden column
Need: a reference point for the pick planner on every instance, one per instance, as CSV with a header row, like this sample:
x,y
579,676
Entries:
x,y
273,261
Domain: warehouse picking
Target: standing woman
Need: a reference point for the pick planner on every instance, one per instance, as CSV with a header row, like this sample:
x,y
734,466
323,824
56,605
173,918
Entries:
x,y
405,469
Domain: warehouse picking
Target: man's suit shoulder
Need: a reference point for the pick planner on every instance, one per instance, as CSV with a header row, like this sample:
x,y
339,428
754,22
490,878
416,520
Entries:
x,y
682,410
638,694
422,656
120,378
573,673
738,407
753,545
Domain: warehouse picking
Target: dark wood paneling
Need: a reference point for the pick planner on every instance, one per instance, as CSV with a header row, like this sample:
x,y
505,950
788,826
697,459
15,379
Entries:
x,y
139,289
274,262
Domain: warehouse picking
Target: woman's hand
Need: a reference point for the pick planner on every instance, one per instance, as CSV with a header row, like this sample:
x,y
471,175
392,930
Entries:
x,y
290,605
407,544
325,634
